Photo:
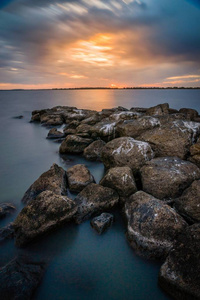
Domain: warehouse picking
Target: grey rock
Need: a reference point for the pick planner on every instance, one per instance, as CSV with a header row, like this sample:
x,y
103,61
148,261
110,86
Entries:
x,y
102,222
54,180
55,134
152,225
79,177
168,177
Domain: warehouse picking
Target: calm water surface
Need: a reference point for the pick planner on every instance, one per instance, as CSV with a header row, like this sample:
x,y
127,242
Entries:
x,y
81,264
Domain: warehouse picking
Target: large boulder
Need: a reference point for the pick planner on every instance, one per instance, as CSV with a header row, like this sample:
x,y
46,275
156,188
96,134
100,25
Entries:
x,y
20,278
54,180
188,205
195,154
79,177
52,119
190,114
152,225
93,199
94,150
126,151
120,179
102,222
158,110
41,215
6,209
168,177
172,138
180,274
135,128
74,144
105,129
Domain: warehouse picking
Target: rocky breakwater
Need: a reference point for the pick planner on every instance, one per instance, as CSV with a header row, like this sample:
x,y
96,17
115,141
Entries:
x,y
151,158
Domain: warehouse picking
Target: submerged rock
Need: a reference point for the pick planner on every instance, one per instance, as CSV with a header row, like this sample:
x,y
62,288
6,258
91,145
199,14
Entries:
x,y
55,134
120,179
172,138
74,144
102,222
20,278
54,180
188,205
126,151
78,178
7,232
94,150
180,274
152,225
93,199
168,177
6,209
41,215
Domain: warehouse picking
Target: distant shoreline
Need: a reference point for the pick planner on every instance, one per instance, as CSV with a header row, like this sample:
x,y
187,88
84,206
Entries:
x,y
106,88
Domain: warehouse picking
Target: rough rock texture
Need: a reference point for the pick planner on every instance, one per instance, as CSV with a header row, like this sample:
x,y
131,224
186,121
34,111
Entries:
x,y
55,134
79,177
120,179
7,232
188,205
94,150
152,225
105,129
190,114
20,278
168,177
135,128
6,209
126,151
172,138
102,222
41,215
54,180
195,154
51,119
158,110
180,274
93,199
74,144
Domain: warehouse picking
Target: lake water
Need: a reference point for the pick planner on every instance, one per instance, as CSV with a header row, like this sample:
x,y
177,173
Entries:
x,y
81,264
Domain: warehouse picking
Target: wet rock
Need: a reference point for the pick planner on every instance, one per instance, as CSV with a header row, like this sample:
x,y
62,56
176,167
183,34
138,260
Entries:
x,y
126,151
172,138
74,144
168,177
55,134
188,205
6,209
158,110
78,178
152,225
180,274
120,179
104,129
190,114
7,232
102,222
20,278
94,150
18,117
54,180
93,199
135,128
42,215
52,119
35,118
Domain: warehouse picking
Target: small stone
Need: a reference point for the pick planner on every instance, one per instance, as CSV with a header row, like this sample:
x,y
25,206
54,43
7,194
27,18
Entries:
x,y
102,222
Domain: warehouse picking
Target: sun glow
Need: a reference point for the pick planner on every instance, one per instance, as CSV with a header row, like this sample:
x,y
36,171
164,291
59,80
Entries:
x,y
95,51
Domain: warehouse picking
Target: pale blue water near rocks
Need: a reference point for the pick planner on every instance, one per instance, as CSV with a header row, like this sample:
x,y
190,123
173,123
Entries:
x,y
81,264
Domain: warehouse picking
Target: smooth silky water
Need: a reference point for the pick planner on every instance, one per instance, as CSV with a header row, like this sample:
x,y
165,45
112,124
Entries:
x,y
80,263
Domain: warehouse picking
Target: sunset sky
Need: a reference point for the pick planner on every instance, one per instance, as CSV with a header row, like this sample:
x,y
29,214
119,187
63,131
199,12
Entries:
x,y
113,43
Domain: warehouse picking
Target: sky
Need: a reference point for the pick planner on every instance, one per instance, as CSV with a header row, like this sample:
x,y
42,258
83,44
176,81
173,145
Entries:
x,y
90,43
